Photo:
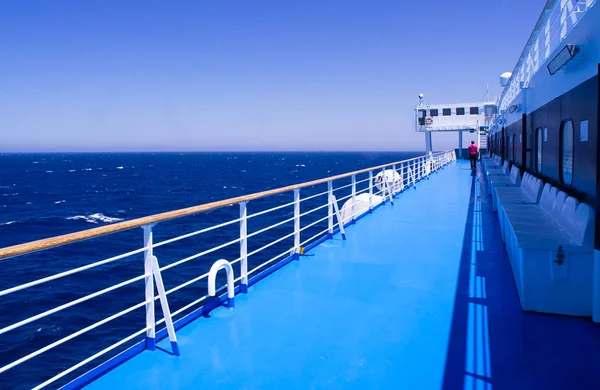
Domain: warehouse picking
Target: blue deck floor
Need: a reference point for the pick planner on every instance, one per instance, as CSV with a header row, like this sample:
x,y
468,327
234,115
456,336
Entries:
x,y
420,296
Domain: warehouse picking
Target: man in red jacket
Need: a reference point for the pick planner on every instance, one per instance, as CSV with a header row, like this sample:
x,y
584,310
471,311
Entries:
x,y
473,154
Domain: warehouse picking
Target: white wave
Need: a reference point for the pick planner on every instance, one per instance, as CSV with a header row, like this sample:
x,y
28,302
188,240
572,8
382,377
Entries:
x,y
119,167
60,201
8,223
36,162
88,169
96,218
28,203
300,165
49,171
71,170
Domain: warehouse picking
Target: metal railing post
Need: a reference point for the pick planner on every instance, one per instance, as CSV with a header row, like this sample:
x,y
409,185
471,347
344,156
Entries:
x,y
296,255
330,209
353,198
149,295
394,180
370,192
244,247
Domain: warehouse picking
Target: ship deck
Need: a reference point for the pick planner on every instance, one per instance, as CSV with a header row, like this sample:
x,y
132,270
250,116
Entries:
x,y
420,296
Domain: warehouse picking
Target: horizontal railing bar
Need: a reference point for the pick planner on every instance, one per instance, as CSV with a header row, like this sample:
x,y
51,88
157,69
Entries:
x,y
91,358
363,180
72,303
269,210
342,187
313,196
166,267
271,244
313,210
70,337
314,223
315,236
287,252
270,227
186,284
38,245
197,301
208,229
70,272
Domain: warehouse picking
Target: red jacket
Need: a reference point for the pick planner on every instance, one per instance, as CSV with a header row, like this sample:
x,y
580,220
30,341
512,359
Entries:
x,y
472,149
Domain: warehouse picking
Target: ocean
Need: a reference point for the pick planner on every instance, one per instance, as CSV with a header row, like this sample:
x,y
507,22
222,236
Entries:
x,y
44,195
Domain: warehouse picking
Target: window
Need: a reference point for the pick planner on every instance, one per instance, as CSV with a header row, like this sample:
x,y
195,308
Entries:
x,y
421,117
460,111
566,152
474,110
433,112
446,112
539,142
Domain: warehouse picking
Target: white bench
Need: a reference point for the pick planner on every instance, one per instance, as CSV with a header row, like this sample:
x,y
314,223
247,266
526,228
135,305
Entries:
x,y
498,171
550,247
493,163
528,192
511,180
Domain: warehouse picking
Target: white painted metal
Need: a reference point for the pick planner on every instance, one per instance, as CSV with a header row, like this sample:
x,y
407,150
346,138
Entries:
x,y
149,283
370,190
164,303
353,198
244,243
330,207
338,215
296,221
212,278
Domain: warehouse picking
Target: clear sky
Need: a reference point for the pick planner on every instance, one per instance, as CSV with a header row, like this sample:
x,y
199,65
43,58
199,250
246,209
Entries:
x,y
91,75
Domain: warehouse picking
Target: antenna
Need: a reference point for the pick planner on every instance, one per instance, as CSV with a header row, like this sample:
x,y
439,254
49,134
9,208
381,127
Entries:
x,y
487,92
421,97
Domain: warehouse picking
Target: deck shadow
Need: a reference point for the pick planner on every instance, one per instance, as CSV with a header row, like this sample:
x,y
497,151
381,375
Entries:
x,y
494,344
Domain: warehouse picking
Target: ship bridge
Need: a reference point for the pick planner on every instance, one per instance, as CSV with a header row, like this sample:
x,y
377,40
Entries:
x,y
459,117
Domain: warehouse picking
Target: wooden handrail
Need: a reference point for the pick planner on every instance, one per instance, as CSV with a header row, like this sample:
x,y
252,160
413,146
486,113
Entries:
x,y
52,242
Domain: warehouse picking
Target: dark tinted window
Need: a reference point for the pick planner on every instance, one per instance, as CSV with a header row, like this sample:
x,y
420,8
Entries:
x,y
538,149
460,111
566,152
446,112
433,112
474,110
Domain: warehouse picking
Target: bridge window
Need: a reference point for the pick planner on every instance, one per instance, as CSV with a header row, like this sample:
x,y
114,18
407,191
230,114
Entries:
x,y
433,112
460,111
539,138
566,152
474,110
446,112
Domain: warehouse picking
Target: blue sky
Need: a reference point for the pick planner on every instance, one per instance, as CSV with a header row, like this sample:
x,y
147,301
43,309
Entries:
x,y
245,75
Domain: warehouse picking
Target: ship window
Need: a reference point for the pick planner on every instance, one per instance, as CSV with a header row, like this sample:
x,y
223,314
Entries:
x,y
460,111
539,138
446,112
474,110
433,112
566,152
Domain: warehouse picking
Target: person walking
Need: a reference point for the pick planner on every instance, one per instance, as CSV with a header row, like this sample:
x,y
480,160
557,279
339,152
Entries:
x,y
473,154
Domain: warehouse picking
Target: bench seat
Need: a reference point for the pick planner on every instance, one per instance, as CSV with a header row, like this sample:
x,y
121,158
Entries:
x,y
550,249
528,192
511,180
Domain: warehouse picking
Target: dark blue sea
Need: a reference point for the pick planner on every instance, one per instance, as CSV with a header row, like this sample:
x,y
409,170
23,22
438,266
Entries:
x,y
44,195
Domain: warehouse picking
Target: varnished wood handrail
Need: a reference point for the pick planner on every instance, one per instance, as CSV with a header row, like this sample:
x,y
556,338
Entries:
x,y
52,242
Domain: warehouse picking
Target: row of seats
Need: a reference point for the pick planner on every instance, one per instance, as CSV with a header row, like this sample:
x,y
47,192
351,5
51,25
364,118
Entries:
x,y
549,238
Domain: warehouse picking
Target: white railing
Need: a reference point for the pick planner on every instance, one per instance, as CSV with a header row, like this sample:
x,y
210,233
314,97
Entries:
x,y
394,178
557,19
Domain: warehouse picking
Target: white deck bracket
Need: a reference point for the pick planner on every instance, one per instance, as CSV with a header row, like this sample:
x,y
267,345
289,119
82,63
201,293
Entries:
x,y
164,304
212,276
333,201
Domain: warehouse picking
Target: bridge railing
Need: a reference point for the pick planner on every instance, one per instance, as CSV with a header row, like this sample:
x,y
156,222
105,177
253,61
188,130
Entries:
x,y
293,230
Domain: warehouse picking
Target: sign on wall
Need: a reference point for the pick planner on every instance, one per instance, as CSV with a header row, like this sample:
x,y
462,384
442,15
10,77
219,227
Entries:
x,y
583,131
